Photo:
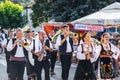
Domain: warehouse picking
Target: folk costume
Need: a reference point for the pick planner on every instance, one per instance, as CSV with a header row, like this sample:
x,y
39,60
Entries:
x,y
44,63
106,53
65,51
18,57
85,69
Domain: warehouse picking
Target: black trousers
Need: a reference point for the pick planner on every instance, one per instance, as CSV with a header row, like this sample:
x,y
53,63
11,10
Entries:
x,y
17,70
30,69
39,65
53,58
66,63
7,56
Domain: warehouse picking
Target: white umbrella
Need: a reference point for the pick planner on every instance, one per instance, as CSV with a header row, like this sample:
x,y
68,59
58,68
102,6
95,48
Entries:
x,y
107,15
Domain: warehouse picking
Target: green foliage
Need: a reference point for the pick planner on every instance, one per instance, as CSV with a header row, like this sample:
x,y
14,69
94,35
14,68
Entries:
x,y
40,9
25,2
65,10
10,15
70,10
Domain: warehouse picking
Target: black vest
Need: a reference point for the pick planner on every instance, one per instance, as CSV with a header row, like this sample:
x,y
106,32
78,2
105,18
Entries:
x,y
64,46
13,52
6,52
47,43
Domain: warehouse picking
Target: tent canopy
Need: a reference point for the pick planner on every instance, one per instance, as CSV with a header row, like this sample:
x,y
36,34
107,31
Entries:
x,y
107,15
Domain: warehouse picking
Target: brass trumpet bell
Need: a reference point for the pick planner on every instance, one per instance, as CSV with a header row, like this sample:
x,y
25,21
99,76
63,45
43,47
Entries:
x,y
26,44
75,35
27,28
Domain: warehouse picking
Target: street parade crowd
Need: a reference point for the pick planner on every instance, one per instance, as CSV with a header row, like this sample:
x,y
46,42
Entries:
x,y
96,59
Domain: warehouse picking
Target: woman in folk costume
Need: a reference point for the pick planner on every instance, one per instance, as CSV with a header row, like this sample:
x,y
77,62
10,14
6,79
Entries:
x,y
85,55
106,52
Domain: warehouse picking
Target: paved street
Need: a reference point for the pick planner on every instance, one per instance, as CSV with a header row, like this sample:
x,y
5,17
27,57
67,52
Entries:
x,y
3,74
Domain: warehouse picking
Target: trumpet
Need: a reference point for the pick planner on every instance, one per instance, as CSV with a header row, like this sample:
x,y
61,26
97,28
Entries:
x,y
20,41
23,43
26,44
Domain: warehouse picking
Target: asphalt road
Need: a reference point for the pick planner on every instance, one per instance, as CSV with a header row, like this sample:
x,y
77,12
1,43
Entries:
x,y
3,74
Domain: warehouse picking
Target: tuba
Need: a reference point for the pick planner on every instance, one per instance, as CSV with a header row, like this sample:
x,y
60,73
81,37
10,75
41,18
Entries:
x,y
57,33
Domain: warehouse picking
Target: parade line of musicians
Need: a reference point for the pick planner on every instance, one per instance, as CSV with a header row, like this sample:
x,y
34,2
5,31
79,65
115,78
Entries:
x,y
37,51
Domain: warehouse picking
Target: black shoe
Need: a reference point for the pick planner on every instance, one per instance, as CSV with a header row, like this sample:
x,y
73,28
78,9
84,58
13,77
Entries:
x,y
29,78
33,77
53,73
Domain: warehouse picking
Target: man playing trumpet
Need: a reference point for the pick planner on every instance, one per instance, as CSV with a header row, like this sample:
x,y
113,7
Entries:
x,y
18,55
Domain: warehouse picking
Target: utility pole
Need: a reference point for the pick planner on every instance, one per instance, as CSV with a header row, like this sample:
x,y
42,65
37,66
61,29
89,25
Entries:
x,y
26,7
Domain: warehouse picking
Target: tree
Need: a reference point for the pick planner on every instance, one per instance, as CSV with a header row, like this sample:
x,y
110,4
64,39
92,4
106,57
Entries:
x,y
65,10
39,14
70,10
11,15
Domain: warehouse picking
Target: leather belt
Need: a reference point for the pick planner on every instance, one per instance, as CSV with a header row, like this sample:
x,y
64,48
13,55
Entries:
x,y
66,53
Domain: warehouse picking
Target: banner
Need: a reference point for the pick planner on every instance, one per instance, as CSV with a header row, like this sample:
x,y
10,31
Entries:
x,y
89,27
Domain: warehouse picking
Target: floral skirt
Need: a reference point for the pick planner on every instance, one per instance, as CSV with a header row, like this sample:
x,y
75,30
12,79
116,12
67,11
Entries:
x,y
106,68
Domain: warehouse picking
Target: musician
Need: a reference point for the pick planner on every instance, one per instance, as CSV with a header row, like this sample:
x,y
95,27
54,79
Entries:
x,y
53,56
106,52
85,55
7,55
30,62
65,44
18,54
75,46
41,50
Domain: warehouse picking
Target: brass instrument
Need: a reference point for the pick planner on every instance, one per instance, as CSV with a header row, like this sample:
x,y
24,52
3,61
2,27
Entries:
x,y
20,41
55,36
23,43
93,40
40,57
25,29
26,44
73,35
42,52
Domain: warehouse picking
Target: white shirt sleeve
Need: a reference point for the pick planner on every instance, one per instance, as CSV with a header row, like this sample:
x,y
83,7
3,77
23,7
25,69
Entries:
x,y
31,45
3,35
4,42
116,51
97,52
51,46
37,43
9,46
58,40
80,55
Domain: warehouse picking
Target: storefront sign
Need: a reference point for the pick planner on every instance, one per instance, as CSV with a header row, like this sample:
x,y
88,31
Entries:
x,y
88,27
